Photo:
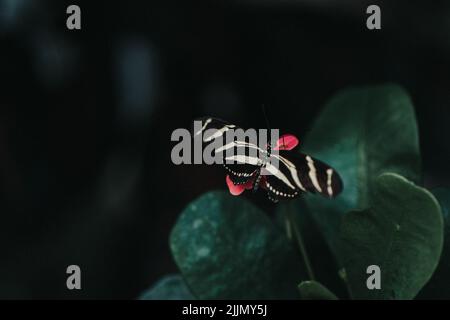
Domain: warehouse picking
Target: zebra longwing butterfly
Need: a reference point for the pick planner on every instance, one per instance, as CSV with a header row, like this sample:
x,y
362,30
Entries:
x,y
295,173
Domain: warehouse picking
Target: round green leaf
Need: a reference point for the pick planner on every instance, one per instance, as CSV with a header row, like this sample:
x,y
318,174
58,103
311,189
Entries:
x,y
362,132
401,233
170,287
438,287
312,290
226,248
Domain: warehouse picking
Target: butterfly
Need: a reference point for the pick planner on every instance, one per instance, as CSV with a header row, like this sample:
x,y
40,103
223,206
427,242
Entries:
x,y
250,166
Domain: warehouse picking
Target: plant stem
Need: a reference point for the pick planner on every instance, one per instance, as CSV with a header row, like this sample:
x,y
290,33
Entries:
x,y
291,223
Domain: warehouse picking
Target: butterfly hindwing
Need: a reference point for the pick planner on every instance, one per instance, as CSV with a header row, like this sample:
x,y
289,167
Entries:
x,y
240,173
279,180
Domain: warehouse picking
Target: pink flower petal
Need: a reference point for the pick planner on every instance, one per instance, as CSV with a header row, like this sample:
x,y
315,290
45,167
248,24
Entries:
x,y
286,142
235,190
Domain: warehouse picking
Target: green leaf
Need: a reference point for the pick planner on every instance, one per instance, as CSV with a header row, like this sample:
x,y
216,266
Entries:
x,y
226,248
402,233
438,287
170,287
362,132
443,196
312,290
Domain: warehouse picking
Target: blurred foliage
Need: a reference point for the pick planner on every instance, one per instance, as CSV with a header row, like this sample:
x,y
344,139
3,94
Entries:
x,y
171,287
227,248
312,290
401,232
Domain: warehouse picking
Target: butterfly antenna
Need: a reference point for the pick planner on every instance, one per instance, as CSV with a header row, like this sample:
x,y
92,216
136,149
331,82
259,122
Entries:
x,y
265,117
267,122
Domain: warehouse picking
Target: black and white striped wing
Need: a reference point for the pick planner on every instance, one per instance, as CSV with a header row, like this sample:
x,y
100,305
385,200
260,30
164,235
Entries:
x,y
240,170
296,173
219,128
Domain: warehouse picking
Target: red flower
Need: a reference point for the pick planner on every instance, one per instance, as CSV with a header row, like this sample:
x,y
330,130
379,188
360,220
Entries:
x,y
285,142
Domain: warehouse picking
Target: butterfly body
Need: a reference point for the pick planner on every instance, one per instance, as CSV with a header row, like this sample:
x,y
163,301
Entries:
x,y
283,173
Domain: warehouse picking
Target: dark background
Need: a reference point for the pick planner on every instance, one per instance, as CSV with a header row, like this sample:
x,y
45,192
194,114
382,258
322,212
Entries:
x,y
86,116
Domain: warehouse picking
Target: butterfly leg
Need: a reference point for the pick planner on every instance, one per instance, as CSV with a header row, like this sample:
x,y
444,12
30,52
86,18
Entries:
x,y
257,180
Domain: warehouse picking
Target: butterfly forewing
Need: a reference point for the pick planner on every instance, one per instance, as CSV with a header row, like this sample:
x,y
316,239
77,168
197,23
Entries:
x,y
306,174
239,158
319,177
240,173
